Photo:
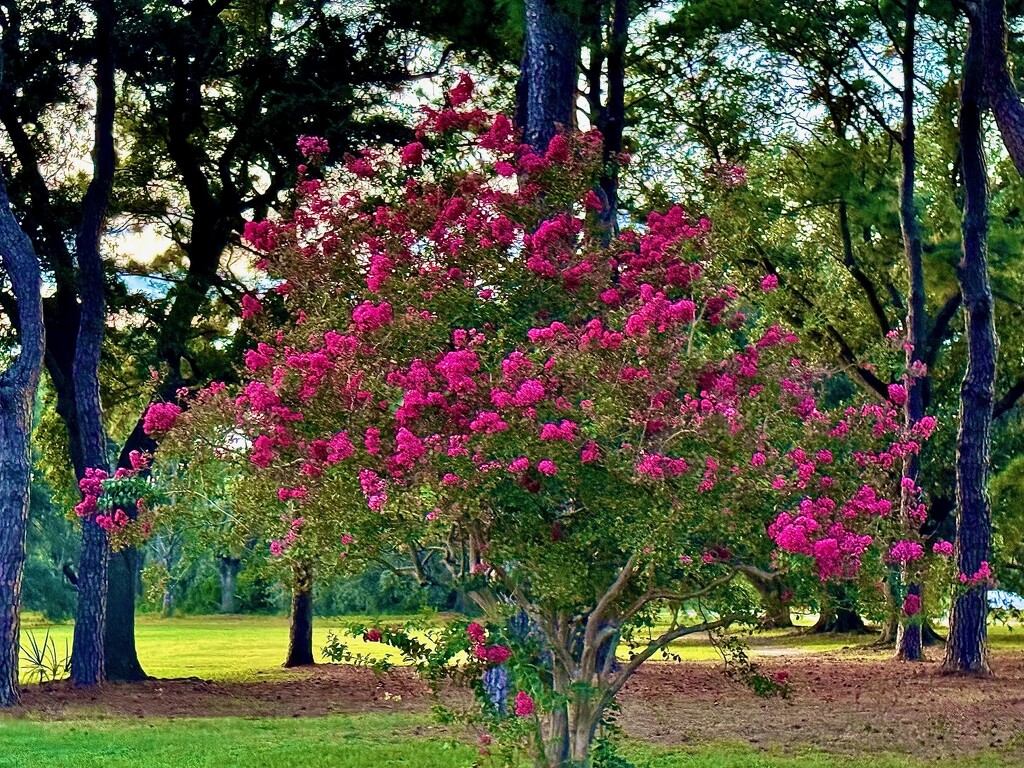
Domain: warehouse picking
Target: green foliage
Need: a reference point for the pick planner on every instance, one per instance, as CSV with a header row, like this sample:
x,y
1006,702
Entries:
x,y
52,549
41,659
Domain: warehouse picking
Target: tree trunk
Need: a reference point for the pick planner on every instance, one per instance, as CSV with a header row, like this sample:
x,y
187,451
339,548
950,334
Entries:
x,y
300,630
555,726
124,585
549,72
835,616
840,621
229,567
167,602
122,660
990,19
18,385
966,647
87,661
771,588
614,115
908,637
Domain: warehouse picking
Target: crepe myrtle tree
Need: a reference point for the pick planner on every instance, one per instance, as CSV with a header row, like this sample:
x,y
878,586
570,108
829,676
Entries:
x,y
452,369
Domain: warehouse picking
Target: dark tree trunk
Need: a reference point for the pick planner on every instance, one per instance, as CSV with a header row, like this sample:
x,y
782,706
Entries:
x,y
614,115
548,78
122,660
840,621
966,647
87,662
771,588
18,386
835,615
119,649
229,567
989,17
908,638
300,630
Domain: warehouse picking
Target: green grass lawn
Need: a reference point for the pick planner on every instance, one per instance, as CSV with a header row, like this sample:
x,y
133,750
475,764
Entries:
x,y
377,741
253,647
215,647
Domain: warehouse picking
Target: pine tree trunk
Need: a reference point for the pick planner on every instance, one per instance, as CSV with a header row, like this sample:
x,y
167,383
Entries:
x,y
87,660
122,660
908,636
966,647
88,665
123,586
229,567
18,386
300,630
547,91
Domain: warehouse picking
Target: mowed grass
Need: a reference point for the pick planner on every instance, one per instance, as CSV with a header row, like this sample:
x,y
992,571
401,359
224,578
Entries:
x,y
343,742
253,647
216,647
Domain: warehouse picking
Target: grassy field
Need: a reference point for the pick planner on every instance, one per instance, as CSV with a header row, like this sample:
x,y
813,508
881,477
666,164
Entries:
x,y
252,648
214,647
340,742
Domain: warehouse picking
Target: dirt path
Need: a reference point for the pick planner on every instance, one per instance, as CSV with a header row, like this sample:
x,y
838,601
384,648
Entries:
x,y
838,704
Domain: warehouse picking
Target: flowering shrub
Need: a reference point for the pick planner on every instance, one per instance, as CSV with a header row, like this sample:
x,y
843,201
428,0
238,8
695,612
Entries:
x,y
470,378
105,498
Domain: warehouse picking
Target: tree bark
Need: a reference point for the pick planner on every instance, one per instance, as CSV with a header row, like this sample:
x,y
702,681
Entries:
x,y
87,661
18,385
123,587
614,115
770,587
122,660
300,630
966,647
989,17
835,616
547,100
908,637
229,567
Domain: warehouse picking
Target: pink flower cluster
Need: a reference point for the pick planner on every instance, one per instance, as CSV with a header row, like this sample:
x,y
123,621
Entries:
x,y
374,489
313,147
114,522
943,548
982,576
369,316
493,654
912,605
524,704
91,487
279,546
904,552
160,418
813,532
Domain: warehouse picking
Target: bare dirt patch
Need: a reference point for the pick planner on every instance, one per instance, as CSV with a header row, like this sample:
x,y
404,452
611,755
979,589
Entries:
x,y
839,704
313,691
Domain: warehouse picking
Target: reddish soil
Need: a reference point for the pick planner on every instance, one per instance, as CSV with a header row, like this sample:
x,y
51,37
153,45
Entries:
x,y
838,704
